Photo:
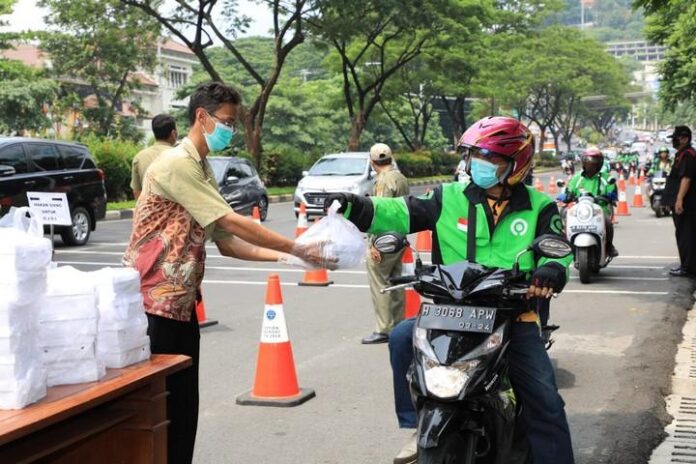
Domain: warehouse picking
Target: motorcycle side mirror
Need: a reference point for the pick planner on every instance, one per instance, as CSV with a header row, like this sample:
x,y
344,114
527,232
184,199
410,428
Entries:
x,y
560,183
390,243
551,246
612,180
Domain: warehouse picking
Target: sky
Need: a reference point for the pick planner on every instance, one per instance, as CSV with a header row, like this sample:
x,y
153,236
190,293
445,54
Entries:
x,y
28,16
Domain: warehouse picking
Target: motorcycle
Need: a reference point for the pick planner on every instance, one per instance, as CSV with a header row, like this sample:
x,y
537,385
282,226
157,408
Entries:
x,y
586,232
467,411
656,188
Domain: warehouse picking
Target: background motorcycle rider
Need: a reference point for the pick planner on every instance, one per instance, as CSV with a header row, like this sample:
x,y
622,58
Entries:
x,y
504,216
662,162
592,180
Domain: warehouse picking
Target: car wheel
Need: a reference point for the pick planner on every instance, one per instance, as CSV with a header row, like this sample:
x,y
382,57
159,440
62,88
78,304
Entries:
x,y
78,234
263,208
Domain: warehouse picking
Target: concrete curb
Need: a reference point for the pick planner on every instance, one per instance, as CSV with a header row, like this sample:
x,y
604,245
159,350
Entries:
x,y
680,443
128,213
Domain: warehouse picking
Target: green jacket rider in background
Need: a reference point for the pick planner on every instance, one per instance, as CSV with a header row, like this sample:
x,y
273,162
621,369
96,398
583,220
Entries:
x,y
661,163
592,180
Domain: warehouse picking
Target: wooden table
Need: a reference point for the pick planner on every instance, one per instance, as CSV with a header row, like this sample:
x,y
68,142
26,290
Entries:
x,y
120,419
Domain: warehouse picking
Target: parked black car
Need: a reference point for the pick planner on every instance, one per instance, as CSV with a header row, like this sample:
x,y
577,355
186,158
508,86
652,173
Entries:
x,y
37,165
240,184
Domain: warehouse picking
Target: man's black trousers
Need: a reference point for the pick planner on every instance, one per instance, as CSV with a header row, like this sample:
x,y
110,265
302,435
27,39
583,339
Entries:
x,y
685,231
168,336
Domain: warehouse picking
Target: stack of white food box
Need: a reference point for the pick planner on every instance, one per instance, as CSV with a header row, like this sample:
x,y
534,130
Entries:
x,y
122,336
68,328
23,267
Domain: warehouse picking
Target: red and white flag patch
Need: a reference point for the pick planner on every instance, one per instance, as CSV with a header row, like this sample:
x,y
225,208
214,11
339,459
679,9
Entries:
x,y
463,225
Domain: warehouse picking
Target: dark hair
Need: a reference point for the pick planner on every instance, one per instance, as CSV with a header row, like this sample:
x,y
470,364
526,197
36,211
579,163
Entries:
x,y
210,96
163,125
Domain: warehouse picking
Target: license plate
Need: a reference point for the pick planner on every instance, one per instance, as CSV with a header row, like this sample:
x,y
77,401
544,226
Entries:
x,y
591,228
458,318
319,201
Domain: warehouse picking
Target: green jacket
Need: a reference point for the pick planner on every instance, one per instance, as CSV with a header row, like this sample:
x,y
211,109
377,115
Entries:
x,y
445,211
596,185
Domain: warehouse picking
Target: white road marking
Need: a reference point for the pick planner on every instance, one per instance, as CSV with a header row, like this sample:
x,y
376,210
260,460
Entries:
x,y
646,257
600,278
615,292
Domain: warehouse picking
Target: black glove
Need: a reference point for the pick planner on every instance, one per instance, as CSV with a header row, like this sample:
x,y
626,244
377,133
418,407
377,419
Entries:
x,y
552,275
343,198
360,208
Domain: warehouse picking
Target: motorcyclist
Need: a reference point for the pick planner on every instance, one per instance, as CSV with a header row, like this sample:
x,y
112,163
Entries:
x,y
662,163
487,221
592,180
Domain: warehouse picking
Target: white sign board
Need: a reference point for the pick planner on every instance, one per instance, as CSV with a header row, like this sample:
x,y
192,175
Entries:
x,y
51,207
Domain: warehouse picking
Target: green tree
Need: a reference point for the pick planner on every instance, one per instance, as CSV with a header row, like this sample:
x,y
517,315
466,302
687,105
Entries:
x,y
100,43
198,24
372,40
25,94
671,23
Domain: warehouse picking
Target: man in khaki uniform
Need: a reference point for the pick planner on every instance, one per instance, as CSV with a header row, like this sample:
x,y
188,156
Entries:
x,y
389,307
164,128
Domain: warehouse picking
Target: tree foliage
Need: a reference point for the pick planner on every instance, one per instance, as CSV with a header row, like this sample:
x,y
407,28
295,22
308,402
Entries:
x,y
98,45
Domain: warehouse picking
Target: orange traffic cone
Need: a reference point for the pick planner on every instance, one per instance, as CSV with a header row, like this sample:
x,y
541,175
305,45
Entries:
x,y
622,208
641,179
275,382
637,198
631,179
256,215
538,185
302,224
424,241
316,277
413,299
203,321
622,182
553,189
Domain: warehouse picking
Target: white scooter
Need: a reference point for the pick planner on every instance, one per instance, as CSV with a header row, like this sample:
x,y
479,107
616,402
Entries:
x,y
586,231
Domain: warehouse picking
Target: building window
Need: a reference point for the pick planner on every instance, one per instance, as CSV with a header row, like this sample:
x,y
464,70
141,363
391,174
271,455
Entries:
x,y
177,76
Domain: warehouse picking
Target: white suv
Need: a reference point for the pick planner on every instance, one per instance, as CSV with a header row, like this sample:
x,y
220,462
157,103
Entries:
x,y
340,172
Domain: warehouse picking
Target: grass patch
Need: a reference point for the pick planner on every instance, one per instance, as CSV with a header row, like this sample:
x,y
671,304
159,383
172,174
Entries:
x,y
117,205
280,190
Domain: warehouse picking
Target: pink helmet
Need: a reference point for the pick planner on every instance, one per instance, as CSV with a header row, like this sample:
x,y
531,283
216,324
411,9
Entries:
x,y
506,137
592,156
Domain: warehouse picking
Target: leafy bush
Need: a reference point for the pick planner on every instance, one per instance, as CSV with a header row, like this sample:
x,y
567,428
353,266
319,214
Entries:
x,y
546,159
114,157
283,165
425,163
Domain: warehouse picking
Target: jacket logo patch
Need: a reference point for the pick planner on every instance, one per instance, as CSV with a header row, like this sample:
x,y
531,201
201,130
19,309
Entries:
x,y
463,225
519,227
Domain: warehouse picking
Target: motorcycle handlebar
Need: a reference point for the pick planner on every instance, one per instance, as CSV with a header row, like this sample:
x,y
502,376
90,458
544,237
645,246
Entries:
x,y
403,280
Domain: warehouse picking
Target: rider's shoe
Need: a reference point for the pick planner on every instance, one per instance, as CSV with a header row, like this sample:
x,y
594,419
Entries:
x,y
613,252
409,452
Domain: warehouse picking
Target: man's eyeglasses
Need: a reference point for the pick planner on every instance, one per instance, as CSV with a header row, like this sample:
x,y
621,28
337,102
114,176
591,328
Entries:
x,y
229,124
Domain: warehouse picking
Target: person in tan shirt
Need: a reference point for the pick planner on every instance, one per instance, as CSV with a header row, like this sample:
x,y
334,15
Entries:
x,y
389,307
179,210
164,128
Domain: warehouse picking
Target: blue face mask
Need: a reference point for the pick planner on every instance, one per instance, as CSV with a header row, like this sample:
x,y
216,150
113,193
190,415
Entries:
x,y
220,138
483,173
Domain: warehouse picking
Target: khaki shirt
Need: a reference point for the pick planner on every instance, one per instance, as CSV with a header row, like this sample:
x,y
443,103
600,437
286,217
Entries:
x,y
175,215
143,160
391,183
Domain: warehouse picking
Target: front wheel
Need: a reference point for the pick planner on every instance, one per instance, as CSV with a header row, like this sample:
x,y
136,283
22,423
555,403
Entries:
x,y
584,256
451,449
263,208
78,234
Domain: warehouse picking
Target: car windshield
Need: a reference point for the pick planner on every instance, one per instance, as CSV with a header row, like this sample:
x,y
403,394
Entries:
x,y
219,168
338,167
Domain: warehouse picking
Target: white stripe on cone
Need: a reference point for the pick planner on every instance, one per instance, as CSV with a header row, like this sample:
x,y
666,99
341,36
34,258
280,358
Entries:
x,y
274,328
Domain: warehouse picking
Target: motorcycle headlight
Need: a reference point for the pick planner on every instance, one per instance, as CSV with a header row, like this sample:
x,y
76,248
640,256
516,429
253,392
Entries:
x,y
447,381
584,213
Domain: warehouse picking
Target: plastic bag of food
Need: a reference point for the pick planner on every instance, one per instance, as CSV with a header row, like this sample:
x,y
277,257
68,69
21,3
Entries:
x,y
343,241
22,246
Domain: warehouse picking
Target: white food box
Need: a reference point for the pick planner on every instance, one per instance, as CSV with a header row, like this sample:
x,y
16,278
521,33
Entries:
x,y
71,372
136,354
72,352
16,394
121,339
22,287
22,252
